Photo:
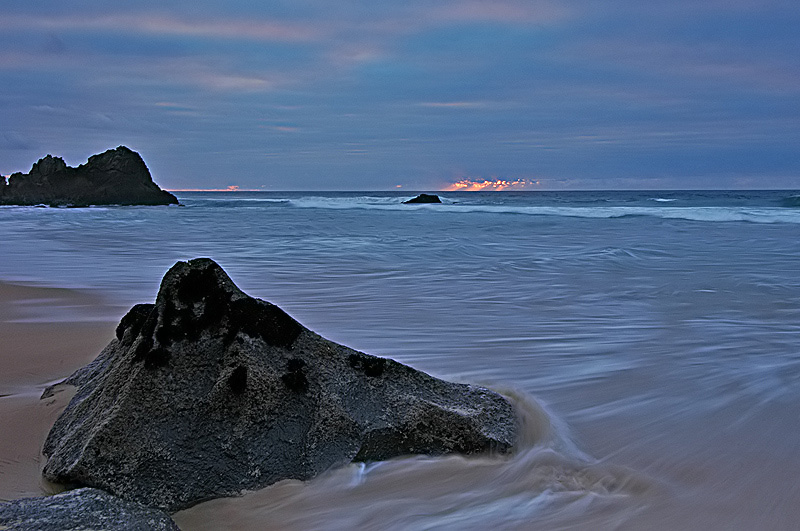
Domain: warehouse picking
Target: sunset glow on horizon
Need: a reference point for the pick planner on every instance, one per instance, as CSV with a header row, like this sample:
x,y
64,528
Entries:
x,y
496,185
231,188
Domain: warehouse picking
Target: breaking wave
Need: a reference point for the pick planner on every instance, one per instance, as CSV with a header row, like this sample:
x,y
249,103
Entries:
x,y
792,201
698,213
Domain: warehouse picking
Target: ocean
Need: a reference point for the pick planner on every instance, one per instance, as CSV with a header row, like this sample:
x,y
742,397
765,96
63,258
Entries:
x,y
650,340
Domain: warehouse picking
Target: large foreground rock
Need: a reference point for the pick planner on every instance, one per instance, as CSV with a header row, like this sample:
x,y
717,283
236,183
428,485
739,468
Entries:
x,y
117,177
81,509
208,392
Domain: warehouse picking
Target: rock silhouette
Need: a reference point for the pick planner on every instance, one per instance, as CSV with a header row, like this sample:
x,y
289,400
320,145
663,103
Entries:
x,y
209,391
423,198
117,177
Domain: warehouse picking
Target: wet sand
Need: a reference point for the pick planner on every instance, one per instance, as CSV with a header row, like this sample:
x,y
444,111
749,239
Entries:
x,y
45,334
735,469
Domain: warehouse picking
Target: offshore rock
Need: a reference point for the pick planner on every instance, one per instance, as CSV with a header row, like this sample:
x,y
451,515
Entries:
x,y
423,198
209,392
80,510
117,177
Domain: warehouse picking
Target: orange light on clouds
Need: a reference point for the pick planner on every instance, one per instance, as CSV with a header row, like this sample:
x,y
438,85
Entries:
x,y
496,185
231,188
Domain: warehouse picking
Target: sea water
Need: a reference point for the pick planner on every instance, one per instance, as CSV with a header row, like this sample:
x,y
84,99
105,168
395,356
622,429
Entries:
x,y
650,341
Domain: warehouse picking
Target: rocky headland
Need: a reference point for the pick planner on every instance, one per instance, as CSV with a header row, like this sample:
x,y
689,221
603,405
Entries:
x,y
209,392
116,177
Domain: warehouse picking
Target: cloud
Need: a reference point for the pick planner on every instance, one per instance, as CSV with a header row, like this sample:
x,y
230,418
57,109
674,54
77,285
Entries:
x,y
359,37
16,141
688,9
161,24
285,129
210,74
503,11
228,82
230,188
487,185
725,64
355,53
454,104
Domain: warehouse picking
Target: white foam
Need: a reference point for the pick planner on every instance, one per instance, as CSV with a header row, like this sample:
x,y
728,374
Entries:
x,y
704,213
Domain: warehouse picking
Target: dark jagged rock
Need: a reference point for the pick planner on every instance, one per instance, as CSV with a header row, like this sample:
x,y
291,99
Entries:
x,y
209,392
423,198
81,510
117,177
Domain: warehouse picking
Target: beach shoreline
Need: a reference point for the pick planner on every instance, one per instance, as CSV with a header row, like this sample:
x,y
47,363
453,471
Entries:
x,y
47,333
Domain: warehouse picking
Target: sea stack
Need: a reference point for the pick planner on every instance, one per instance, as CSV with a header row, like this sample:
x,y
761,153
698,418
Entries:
x,y
209,392
117,177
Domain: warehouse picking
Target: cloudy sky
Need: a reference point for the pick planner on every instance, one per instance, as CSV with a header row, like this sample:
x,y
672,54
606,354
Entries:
x,y
373,95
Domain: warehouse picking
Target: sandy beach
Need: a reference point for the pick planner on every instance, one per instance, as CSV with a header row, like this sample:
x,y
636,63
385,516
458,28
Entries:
x,y
46,334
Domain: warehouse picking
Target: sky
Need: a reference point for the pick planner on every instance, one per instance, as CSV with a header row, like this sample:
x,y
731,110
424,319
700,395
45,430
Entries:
x,y
412,95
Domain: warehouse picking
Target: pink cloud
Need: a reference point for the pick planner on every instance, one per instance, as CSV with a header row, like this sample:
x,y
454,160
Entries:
x,y
489,185
507,11
285,129
260,30
454,104
210,74
229,188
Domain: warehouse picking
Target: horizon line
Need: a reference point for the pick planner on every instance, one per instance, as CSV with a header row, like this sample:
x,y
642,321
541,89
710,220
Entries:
x,y
423,190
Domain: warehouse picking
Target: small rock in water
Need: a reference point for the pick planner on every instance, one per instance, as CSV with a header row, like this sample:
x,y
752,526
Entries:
x,y
81,509
424,198
209,392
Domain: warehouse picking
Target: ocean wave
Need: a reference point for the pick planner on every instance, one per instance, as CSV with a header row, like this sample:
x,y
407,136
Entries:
x,y
701,213
241,199
233,202
44,210
772,211
365,201
792,201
